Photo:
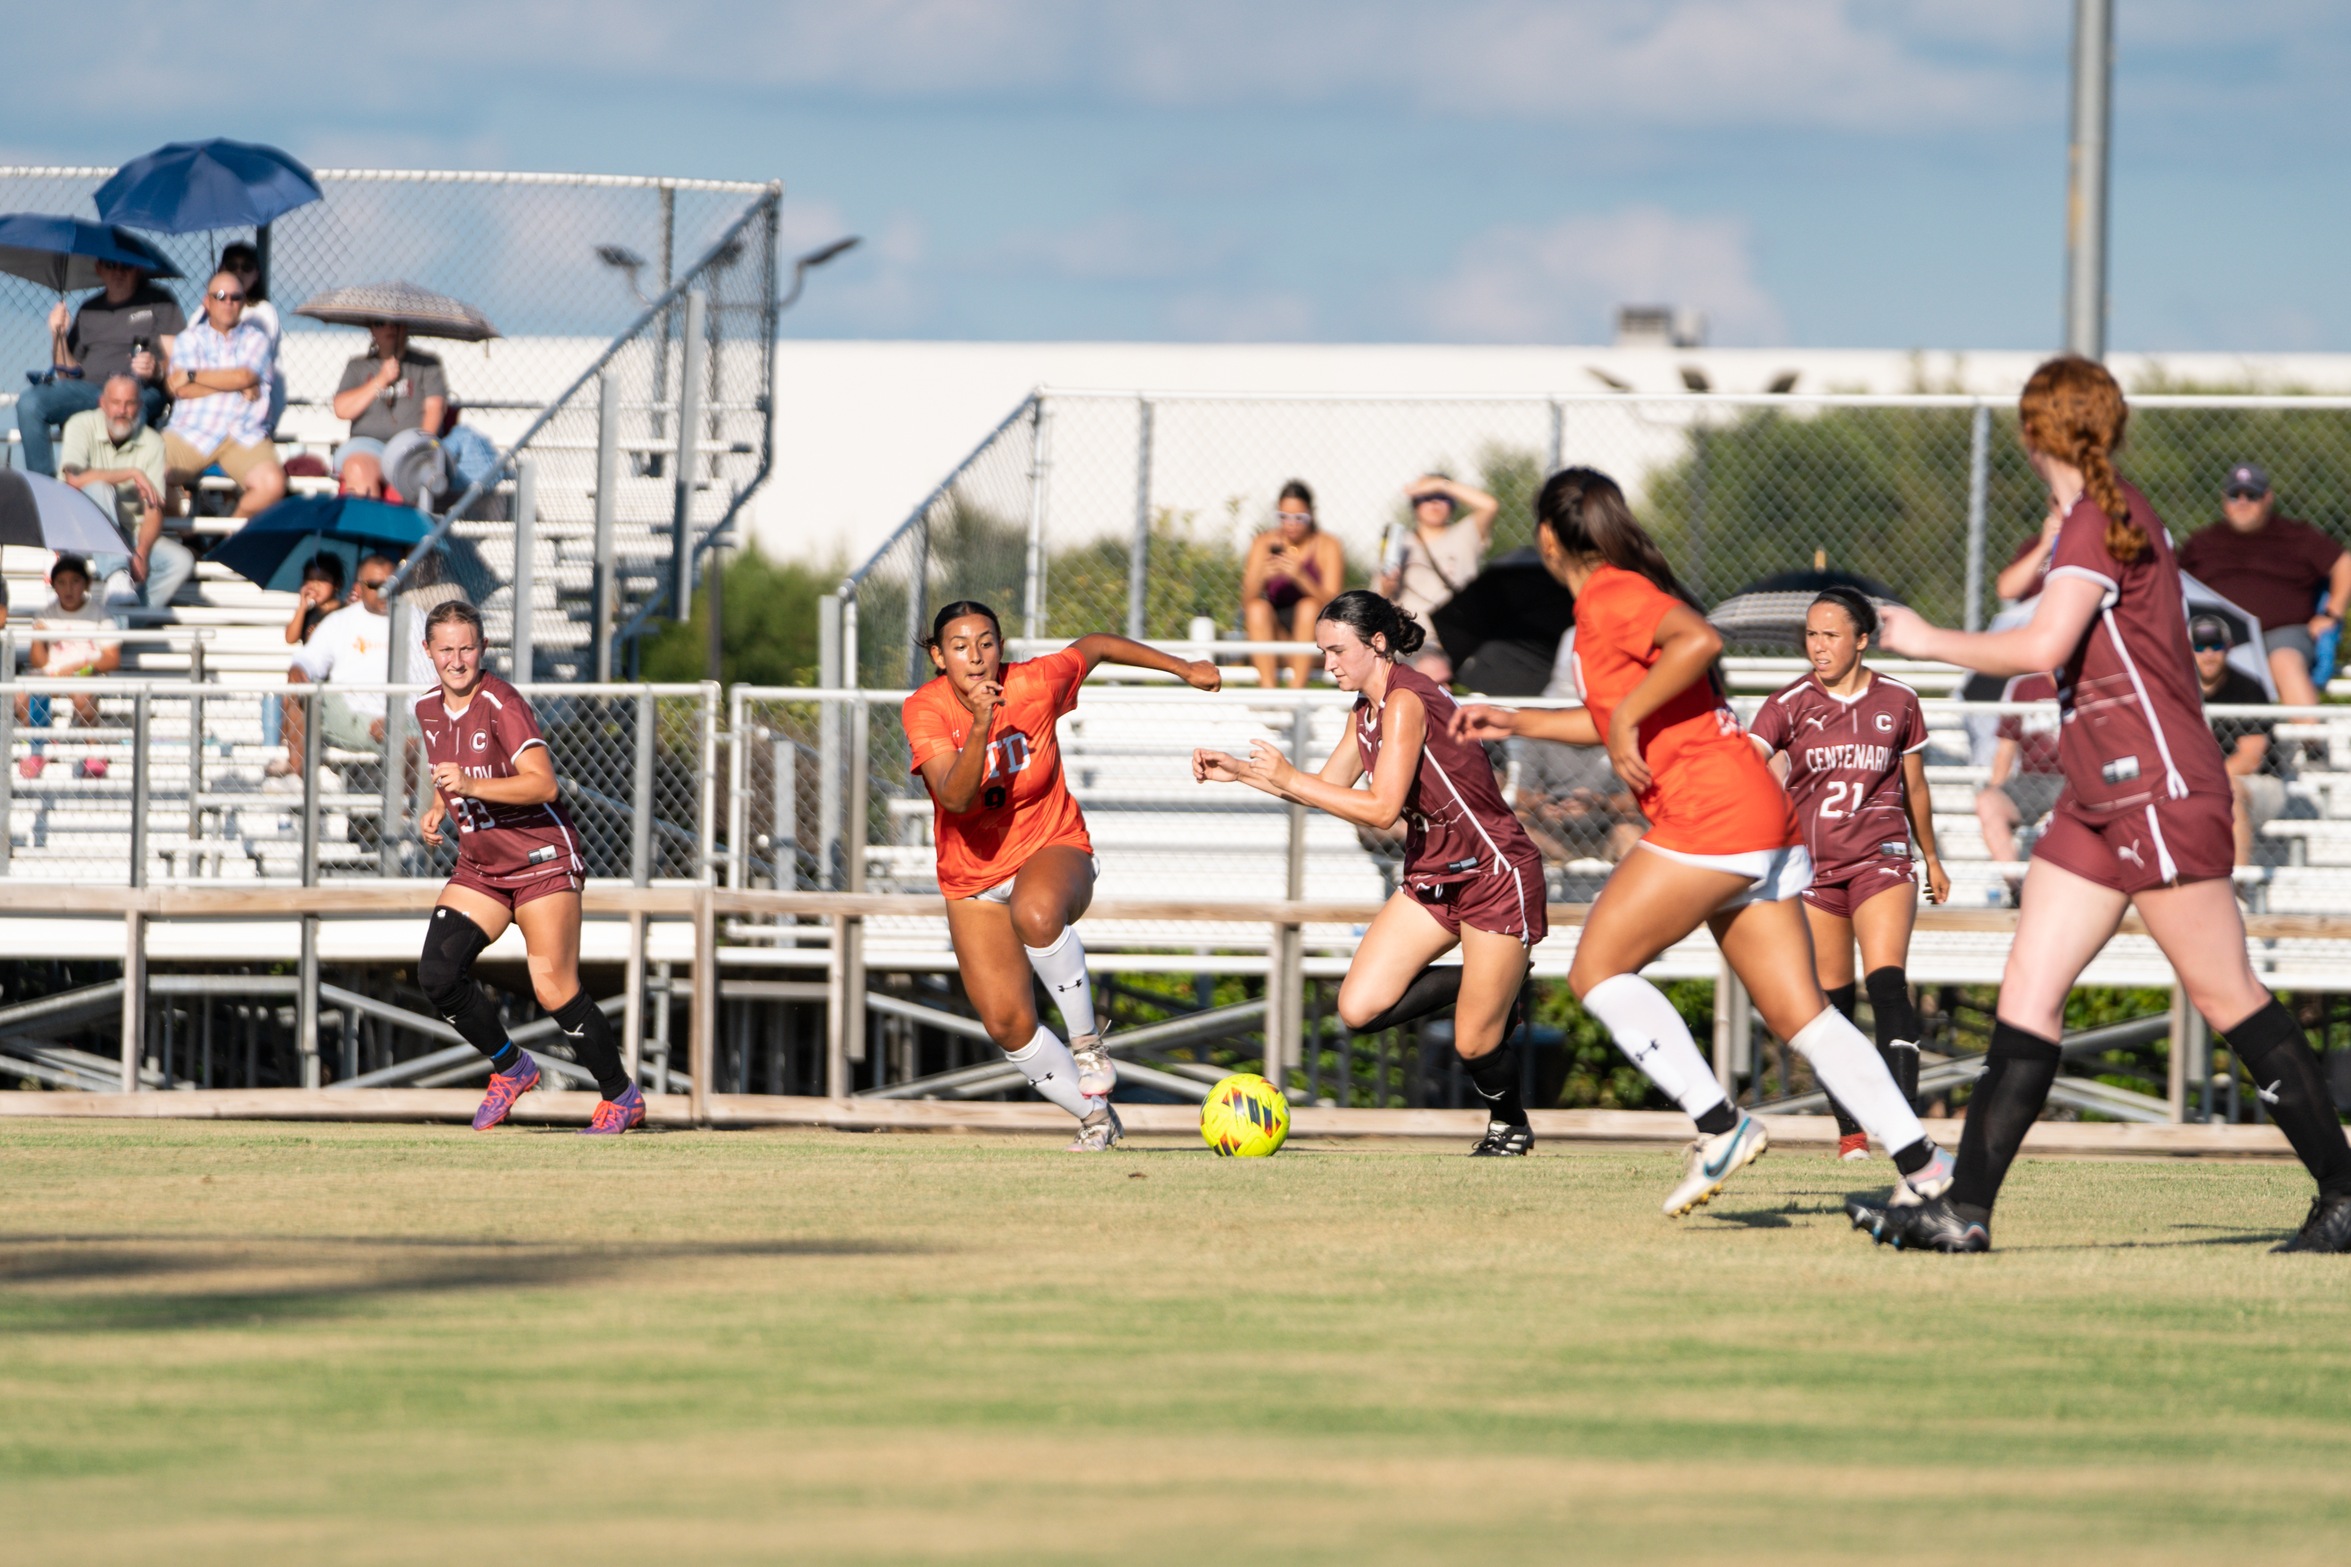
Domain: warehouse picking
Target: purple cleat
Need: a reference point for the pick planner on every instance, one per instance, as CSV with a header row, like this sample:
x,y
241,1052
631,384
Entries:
x,y
615,1116
505,1089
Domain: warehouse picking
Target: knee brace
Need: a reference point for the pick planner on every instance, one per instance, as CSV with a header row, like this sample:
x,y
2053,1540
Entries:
x,y
445,972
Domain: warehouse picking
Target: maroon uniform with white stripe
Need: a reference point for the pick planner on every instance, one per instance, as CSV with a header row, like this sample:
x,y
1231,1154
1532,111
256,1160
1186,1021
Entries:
x,y
2146,799
1845,777
512,852
1465,857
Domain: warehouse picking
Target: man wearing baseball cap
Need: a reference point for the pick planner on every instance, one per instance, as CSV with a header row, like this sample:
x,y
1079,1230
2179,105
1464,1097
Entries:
x,y
2274,568
2245,743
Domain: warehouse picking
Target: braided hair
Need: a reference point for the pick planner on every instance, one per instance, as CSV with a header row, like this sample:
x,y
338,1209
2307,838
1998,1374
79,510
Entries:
x,y
2073,410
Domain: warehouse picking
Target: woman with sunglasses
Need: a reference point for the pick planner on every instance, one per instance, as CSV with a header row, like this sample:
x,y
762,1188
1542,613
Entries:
x,y
1723,848
1851,747
1293,569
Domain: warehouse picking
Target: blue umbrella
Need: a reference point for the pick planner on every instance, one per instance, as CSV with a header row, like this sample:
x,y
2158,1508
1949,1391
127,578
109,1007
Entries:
x,y
61,253
191,186
275,545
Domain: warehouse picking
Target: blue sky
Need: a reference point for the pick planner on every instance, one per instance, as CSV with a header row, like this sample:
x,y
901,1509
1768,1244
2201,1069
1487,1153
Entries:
x,y
1829,173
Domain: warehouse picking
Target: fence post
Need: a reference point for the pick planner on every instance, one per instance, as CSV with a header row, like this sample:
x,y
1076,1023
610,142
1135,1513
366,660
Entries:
x,y
783,834
196,734
1558,453
394,791
1979,474
7,748
1285,1013
134,921
1733,1024
522,649
706,808
738,791
2176,1088
142,781
1032,603
640,875
681,602
853,949
828,742
918,608
306,985
606,588
702,1041
1139,561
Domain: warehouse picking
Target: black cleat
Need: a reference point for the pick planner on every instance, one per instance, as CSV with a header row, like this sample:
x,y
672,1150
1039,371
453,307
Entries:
x,y
1927,1226
1503,1141
2328,1229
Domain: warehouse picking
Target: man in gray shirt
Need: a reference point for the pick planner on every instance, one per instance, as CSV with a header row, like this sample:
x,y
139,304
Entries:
x,y
384,391
126,328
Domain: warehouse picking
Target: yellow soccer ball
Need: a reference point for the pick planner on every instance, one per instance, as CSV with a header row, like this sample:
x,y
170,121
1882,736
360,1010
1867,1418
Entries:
x,y
1245,1117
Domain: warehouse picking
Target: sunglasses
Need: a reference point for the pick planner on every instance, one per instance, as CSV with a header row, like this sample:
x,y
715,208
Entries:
x,y
2207,645
1423,500
2245,495
1293,516
226,297
373,584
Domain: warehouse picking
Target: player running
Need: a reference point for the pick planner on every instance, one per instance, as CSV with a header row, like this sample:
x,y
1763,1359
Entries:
x,y
1849,744
1472,878
1723,848
518,862
1014,858
2144,821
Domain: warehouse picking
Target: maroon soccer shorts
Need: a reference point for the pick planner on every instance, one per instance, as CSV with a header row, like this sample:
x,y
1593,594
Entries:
x,y
1842,896
2143,847
540,881
1508,903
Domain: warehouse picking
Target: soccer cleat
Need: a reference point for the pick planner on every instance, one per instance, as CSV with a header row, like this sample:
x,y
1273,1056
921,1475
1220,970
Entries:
x,y
1504,1141
615,1116
1714,1160
1099,1132
1097,1073
1853,1146
1927,1182
505,1088
1931,1225
2328,1229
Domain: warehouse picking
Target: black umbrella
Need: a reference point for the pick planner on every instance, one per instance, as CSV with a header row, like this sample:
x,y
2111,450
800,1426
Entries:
x,y
1502,629
49,514
1769,613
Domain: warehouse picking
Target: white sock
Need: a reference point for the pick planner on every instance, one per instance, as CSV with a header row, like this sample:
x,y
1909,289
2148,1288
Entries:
x,y
1062,967
1651,1033
1849,1066
1047,1064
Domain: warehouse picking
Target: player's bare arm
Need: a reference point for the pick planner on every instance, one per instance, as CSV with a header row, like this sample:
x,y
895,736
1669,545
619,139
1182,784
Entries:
x,y
1919,803
954,780
1686,649
533,782
2061,617
1482,721
1103,648
1406,723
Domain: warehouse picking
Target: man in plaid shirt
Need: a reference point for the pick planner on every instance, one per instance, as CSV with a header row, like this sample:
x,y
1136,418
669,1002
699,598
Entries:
x,y
220,409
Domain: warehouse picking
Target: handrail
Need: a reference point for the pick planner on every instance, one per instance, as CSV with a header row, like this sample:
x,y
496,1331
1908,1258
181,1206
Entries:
x,y
939,491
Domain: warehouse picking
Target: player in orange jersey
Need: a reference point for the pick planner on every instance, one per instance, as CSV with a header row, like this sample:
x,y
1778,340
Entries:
x,y
1014,859
1723,848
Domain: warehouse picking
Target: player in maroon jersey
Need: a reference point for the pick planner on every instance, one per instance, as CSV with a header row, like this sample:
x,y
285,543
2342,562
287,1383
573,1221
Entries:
x,y
1472,878
518,862
2145,821
1850,744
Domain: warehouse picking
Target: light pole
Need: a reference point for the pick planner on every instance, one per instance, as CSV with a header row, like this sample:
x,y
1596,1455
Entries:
x,y
2085,198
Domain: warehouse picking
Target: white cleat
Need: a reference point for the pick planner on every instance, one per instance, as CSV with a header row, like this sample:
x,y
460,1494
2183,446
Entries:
x,y
1099,1132
1714,1160
1097,1073
1932,1180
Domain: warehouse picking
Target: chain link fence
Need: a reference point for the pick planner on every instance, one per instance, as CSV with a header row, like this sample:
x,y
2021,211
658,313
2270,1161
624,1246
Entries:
x,y
1091,511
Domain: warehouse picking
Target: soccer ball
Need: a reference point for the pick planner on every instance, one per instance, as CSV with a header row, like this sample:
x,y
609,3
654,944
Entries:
x,y
1245,1117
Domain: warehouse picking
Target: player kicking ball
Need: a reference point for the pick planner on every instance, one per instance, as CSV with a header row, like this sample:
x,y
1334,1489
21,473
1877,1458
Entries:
x,y
2145,822
518,863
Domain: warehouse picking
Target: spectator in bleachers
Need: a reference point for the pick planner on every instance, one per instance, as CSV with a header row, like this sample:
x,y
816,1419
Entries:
x,y
126,328
244,262
2021,578
1571,802
1293,570
220,403
2273,568
110,455
2025,777
320,596
2245,743
474,456
352,646
1452,523
390,388
70,641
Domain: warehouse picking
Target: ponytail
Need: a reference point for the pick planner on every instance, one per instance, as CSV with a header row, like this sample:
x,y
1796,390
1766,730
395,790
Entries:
x,y
2073,410
1585,513
1368,615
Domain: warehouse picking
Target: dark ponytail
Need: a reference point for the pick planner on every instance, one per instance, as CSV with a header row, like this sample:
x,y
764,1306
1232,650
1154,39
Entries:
x,y
1370,615
1585,513
1855,604
956,611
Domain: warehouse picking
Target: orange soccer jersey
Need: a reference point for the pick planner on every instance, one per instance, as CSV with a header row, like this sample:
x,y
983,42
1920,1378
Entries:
x,y
1709,793
1023,806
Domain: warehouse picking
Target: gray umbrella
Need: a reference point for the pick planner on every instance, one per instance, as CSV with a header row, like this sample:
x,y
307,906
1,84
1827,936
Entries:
x,y
423,312
45,513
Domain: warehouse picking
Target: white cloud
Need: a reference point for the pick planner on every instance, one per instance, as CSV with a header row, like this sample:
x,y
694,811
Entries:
x,y
1118,247
1562,282
1265,316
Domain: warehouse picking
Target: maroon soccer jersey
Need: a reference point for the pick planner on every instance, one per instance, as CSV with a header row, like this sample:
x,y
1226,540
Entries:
x,y
2133,713
485,738
1845,768
1456,823
2035,734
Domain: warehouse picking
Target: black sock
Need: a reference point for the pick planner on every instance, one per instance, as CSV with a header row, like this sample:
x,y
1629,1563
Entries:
x,y
1842,999
1914,1158
505,1056
1495,1076
2018,1071
1431,990
1896,1017
1718,1120
590,1032
2287,1077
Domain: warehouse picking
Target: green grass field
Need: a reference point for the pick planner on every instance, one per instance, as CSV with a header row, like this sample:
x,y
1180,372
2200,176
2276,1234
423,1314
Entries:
x,y
225,1343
